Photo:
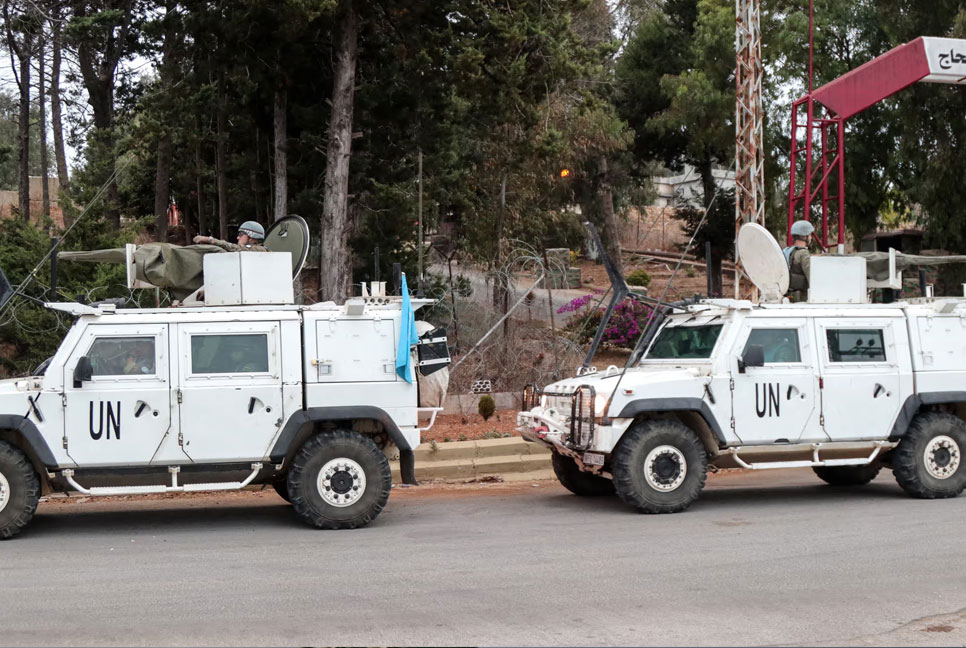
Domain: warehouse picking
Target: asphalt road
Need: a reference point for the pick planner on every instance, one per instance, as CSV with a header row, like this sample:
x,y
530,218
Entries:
x,y
765,558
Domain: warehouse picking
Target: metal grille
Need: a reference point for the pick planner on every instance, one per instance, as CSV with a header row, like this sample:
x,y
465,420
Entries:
x,y
579,404
582,417
531,397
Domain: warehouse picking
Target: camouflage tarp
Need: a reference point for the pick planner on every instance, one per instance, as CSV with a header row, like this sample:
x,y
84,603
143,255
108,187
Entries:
x,y
179,268
877,263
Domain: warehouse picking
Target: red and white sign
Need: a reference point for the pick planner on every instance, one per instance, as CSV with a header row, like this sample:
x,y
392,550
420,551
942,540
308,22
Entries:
x,y
946,58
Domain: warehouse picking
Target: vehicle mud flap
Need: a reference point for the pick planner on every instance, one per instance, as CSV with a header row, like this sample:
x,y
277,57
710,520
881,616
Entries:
x,y
407,467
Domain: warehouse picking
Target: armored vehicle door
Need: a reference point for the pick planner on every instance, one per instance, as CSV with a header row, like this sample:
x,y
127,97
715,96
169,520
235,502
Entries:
x,y
117,395
777,401
230,389
866,373
356,350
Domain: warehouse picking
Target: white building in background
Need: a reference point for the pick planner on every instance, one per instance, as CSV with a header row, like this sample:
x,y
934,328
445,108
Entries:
x,y
685,187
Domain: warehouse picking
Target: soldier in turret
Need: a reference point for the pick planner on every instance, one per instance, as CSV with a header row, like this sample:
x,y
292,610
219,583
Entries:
x,y
799,261
250,237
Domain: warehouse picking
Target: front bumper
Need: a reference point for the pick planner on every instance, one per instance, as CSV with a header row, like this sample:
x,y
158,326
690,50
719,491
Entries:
x,y
564,419
540,427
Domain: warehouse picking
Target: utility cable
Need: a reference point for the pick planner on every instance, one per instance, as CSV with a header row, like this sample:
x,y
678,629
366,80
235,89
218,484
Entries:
x,y
19,290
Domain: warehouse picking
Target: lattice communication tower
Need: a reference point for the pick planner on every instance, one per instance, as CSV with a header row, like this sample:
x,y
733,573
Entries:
x,y
749,141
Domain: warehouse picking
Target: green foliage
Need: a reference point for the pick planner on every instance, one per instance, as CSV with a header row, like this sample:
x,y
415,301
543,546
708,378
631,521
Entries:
x,y
486,407
639,277
29,333
678,93
441,313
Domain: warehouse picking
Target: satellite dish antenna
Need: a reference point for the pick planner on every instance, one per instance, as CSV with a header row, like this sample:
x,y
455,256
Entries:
x,y
289,234
763,261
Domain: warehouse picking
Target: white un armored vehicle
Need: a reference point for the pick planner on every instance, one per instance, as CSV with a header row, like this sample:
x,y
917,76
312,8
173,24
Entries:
x,y
837,384
243,388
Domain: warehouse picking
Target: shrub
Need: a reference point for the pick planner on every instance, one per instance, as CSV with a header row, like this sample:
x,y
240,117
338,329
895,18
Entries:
x,y
626,322
639,277
486,407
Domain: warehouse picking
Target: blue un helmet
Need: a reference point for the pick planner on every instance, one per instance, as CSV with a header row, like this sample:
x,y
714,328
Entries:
x,y
802,229
254,230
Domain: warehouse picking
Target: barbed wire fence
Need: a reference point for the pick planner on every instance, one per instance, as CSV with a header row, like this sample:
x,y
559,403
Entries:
x,y
532,341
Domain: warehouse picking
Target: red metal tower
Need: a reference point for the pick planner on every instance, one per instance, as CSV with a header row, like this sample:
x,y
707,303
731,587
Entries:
x,y
818,142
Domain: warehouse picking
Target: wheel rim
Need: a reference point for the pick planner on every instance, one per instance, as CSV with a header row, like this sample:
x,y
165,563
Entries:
x,y
4,491
665,468
941,457
341,482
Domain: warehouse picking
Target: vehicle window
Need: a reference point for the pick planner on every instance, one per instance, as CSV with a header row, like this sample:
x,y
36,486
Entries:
x,y
856,345
685,343
779,345
120,356
244,353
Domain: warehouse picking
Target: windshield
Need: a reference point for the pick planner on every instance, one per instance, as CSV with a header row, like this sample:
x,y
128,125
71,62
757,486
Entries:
x,y
685,343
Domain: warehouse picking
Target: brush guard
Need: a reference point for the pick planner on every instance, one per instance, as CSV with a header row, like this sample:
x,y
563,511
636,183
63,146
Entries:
x,y
582,424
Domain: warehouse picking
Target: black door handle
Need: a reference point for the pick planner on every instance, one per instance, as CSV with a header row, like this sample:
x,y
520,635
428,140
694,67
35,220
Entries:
x,y
878,390
251,405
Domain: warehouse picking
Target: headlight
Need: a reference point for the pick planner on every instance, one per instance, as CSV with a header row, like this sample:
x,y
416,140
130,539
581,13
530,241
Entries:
x,y
600,405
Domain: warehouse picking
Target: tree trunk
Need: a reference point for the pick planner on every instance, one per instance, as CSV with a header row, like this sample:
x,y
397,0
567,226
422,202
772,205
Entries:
x,y
162,175
55,114
98,69
220,180
336,265
708,186
501,284
253,178
101,100
281,159
23,132
162,189
42,109
612,237
200,189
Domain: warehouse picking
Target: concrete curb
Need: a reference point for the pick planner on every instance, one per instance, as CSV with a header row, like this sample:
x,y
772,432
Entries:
x,y
510,458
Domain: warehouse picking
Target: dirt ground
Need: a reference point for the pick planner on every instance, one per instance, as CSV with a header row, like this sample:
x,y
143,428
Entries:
x,y
472,427
690,280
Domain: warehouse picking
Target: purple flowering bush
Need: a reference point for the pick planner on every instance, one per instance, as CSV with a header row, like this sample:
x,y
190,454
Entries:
x,y
626,322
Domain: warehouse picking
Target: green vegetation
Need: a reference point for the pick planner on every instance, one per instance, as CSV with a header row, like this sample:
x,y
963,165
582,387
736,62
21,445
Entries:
x,y
486,407
638,277
238,117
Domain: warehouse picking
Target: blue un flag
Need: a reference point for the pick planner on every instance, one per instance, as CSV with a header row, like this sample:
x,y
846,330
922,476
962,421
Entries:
x,y
407,335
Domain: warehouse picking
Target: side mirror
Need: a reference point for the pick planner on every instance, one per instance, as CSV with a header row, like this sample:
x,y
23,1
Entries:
x,y
83,371
754,356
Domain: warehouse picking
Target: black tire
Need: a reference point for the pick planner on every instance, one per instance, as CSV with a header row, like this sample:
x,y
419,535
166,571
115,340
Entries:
x,y
281,487
353,510
578,482
682,467
848,475
928,462
22,491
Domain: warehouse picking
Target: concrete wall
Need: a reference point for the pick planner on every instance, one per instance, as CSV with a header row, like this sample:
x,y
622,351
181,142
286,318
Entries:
x,y
10,199
468,403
